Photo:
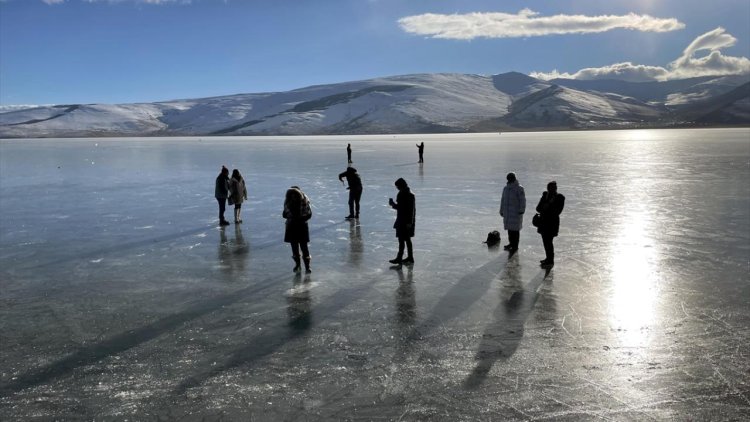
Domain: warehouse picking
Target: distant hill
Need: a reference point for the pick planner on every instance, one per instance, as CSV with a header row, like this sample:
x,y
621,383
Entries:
x,y
422,103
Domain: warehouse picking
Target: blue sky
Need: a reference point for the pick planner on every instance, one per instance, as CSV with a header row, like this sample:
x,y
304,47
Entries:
x,y
117,51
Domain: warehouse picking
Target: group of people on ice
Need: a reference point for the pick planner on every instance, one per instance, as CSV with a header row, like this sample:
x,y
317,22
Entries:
x,y
297,212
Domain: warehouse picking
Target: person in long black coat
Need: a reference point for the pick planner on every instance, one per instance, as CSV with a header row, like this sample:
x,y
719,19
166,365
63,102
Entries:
x,y
550,206
221,193
406,216
297,211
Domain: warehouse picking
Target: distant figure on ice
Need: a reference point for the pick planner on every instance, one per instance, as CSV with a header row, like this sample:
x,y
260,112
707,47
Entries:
x,y
297,211
421,152
237,194
550,206
406,216
355,190
221,192
512,207
349,153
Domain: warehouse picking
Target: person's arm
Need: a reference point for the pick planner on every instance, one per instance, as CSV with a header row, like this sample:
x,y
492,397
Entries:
x,y
521,200
561,204
540,205
502,204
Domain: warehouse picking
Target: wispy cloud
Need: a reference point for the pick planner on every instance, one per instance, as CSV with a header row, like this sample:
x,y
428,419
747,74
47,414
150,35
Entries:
x,y
686,66
122,1
141,1
528,23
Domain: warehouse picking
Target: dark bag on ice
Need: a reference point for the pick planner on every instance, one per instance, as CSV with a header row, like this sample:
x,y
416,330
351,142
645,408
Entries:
x,y
493,238
536,220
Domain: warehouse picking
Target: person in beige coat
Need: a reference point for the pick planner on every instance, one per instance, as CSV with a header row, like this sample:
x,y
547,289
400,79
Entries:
x,y
237,194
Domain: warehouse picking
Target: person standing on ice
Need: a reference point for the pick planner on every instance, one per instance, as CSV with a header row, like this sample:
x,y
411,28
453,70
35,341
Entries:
x,y
355,190
550,206
297,211
406,216
349,153
421,152
221,192
238,193
512,207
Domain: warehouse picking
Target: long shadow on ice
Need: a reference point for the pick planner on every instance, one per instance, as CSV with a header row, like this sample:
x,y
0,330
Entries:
x,y
502,336
274,338
124,246
159,239
456,301
129,339
119,343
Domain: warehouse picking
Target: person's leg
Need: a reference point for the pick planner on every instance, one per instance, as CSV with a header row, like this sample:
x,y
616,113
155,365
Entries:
x,y
238,211
357,197
295,256
306,256
513,237
351,204
400,255
409,251
549,249
222,208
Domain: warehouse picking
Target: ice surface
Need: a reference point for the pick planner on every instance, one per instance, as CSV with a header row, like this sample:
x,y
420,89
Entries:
x,y
121,298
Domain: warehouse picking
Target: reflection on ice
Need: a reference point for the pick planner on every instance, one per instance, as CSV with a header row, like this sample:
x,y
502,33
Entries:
x,y
634,279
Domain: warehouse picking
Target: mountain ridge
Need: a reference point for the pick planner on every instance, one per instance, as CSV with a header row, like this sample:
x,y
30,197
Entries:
x,y
417,103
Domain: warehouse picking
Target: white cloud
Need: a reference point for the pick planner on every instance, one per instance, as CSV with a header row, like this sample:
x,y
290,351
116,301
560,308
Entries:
x,y
54,1
527,23
686,66
139,1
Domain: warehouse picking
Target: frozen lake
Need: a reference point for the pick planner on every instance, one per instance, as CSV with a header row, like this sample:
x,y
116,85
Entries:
x,y
121,298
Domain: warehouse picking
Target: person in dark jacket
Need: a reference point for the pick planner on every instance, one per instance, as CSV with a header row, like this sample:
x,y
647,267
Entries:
x,y
355,190
406,215
297,211
550,206
420,147
221,193
349,153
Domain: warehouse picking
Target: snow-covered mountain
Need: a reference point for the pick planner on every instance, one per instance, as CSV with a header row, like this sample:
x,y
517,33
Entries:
x,y
404,104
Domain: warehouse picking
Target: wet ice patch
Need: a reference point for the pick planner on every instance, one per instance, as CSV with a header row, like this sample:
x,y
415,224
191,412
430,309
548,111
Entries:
x,y
301,288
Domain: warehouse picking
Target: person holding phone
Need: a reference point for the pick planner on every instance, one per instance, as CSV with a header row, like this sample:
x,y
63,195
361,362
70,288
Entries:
x,y
406,215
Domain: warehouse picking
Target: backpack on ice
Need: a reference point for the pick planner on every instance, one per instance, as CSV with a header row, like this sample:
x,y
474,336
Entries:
x,y
493,238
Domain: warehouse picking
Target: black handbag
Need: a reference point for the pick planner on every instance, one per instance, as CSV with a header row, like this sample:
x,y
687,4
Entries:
x,y
536,221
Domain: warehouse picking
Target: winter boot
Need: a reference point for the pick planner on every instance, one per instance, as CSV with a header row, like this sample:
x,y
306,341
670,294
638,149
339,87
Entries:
x,y
296,268
307,264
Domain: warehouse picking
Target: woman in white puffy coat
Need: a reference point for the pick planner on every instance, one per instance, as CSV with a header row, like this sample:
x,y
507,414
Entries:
x,y
512,207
